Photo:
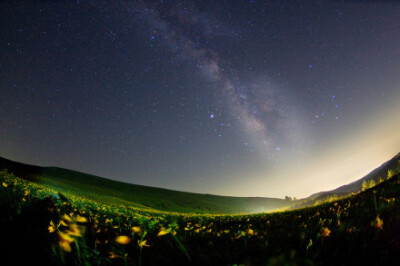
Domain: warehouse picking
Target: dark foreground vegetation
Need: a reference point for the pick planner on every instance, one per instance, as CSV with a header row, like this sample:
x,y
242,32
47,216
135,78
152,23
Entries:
x,y
43,225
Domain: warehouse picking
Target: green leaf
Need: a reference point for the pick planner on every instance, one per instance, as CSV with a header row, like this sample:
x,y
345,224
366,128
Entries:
x,y
309,244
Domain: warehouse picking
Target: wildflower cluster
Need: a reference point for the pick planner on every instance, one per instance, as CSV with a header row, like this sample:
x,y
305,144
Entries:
x,y
68,229
88,231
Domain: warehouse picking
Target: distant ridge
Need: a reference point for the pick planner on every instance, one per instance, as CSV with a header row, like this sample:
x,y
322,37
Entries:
x,y
356,186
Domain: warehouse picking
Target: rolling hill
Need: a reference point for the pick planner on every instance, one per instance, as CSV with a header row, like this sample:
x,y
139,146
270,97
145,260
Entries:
x,y
38,224
145,197
379,173
106,190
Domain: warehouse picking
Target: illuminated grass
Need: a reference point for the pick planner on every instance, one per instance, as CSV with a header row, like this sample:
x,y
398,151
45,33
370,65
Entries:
x,y
85,231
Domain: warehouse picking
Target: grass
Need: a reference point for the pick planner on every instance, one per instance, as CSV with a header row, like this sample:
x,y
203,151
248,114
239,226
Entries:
x,y
55,225
105,190
155,198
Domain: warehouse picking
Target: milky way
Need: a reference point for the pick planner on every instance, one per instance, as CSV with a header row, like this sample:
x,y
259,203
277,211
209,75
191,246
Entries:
x,y
261,109
259,98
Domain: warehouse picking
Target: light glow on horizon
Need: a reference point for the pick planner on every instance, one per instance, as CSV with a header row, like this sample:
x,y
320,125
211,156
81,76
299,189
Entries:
x,y
339,165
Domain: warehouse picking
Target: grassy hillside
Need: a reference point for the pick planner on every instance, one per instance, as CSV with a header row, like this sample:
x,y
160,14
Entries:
x,y
38,224
377,175
105,190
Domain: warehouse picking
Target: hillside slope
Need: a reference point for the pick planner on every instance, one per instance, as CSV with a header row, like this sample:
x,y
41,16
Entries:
x,y
102,189
356,186
36,224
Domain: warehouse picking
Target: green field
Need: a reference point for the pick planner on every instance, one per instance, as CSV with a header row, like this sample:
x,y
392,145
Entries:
x,y
56,216
106,190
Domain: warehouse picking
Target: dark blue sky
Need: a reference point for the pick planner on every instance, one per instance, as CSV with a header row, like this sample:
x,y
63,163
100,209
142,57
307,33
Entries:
x,y
241,98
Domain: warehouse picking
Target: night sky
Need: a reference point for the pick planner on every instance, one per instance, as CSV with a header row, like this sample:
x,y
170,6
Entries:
x,y
243,98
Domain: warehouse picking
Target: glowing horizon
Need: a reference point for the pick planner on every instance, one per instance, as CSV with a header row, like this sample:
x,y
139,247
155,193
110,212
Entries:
x,y
244,98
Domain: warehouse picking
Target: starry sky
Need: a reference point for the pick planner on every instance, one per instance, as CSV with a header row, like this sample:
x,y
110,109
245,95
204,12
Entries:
x,y
242,98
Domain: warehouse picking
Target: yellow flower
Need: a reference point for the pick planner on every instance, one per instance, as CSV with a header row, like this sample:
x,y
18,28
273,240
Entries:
x,y
65,246
65,237
63,223
51,227
123,240
137,229
5,184
326,232
74,230
81,219
113,255
250,232
163,231
66,218
378,223
143,243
